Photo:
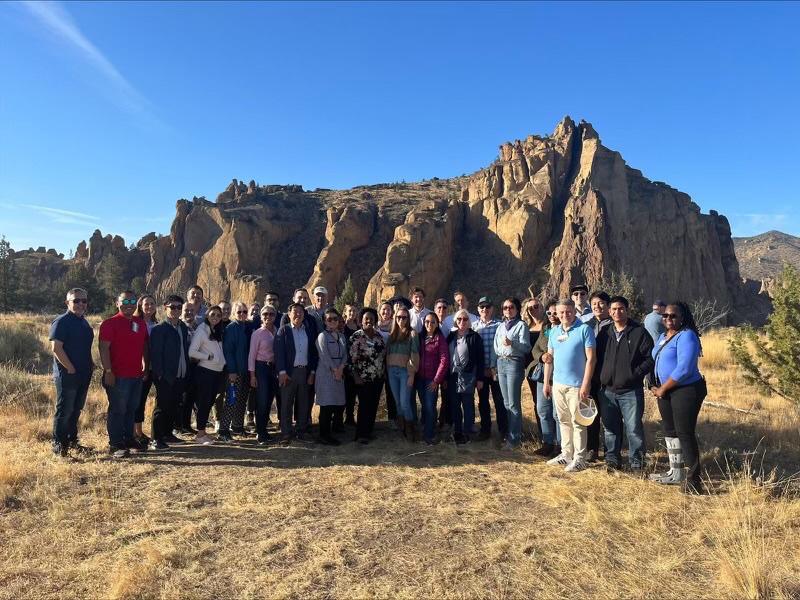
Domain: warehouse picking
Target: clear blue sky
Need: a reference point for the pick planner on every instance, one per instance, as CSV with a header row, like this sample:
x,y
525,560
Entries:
x,y
109,112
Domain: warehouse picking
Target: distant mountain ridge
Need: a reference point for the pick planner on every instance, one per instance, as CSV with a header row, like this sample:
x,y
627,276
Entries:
x,y
761,257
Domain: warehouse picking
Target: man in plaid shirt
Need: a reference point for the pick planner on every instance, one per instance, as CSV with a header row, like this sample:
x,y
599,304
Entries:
x,y
486,326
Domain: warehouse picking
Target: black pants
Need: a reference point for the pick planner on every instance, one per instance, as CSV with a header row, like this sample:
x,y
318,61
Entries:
x,y
207,383
326,418
679,409
295,401
350,397
168,398
493,386
532,388
445,415
368,396
187,402
138,416
593,441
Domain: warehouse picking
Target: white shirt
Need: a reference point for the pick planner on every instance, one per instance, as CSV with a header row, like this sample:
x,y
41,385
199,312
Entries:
x,y
300,346
418,317
201,347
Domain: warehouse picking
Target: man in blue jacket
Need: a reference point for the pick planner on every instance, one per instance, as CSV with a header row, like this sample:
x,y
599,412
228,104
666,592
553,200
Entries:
x,y
296,360
169,365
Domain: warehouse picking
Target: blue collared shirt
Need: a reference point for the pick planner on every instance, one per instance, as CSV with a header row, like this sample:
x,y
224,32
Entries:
x,y
487,332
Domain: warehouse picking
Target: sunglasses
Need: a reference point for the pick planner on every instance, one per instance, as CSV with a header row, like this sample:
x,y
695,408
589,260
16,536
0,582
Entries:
x,y
401,318
175,306
462,319
551,313
578,293
79,301
241,312
128,301
509,307
670,316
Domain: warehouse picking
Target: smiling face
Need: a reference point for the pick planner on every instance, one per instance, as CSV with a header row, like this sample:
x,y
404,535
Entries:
x,y
332,322
534,309
430,323
461,301
148,306
195,296
552,314
599,308
401,317
672,317
462,321
320,300
214,316
225,307
126,303
241,312
349,312
619,313
566,314
296,315
440,308
188,314
368,322
301,297
418,300
485,312
268,315
386,312
77,303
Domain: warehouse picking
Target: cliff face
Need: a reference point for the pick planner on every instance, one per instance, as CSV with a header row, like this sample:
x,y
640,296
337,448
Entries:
x,y
551,211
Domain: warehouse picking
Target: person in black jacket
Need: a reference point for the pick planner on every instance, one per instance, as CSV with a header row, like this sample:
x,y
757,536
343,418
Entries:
x,y
169,365
626,348
466,363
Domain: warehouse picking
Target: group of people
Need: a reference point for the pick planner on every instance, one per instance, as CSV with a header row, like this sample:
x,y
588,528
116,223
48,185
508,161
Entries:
x,y
585,360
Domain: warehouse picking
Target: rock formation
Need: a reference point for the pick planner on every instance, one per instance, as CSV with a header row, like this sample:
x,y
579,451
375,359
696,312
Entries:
x,y
549,212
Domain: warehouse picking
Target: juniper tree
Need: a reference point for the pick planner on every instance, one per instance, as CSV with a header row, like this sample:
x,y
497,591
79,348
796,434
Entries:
x,y
771,361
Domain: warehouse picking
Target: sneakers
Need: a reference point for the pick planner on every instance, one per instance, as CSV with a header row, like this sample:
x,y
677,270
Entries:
x,y
483,436
262,440
575,465
562,460
158,445
137,445
224,436
203,438
117,452
612,468
172,439
591,456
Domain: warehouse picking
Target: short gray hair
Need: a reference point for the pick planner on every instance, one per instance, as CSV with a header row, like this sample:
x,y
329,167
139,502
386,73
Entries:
x,y
75,291
566,302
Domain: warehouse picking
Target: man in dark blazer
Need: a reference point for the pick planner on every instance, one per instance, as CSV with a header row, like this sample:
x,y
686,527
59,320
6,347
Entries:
x,y
169,366
296,361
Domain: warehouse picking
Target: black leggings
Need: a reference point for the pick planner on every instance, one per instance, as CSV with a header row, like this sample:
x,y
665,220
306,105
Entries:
x,y
146,385
207,383
679,409
368,396
326,418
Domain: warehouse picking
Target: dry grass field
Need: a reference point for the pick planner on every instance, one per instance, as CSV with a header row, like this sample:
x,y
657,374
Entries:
x,y
391,519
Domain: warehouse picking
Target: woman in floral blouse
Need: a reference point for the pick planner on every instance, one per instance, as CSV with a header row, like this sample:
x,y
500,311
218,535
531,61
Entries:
x,y
367,354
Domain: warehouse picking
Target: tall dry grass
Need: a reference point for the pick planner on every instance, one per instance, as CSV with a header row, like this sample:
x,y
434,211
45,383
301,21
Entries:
x,y
394,519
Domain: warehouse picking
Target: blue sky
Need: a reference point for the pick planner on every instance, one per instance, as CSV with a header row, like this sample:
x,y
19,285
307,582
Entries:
x,y
109,112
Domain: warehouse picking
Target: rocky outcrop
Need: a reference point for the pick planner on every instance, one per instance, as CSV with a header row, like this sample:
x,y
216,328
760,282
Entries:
x,y
549,212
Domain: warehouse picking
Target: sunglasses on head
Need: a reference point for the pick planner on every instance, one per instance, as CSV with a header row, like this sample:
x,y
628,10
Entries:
x,y
128,301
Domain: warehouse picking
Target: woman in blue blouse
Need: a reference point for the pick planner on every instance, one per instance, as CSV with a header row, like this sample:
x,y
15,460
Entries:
x,y
680,390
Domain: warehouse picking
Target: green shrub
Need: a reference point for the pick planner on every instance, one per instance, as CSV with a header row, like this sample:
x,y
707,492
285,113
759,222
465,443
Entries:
x,y
20,344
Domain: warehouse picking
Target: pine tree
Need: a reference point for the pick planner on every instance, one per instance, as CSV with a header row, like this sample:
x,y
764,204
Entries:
x,y
346,296
770,361
79,276
9,280
111,276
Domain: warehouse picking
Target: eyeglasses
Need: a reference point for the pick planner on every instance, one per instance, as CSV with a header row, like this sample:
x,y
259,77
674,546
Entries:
x,y
128,301
462,319
175,306
670,316
79,300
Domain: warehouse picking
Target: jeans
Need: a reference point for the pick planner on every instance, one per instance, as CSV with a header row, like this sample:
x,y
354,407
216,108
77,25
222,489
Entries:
x,y
123,400
462,408
546,408
493,386
71,393
398,382
509,375
679,409
265,377
428,408
623,408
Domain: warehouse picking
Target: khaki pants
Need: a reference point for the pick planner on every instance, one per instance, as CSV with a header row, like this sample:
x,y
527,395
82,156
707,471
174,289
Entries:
x,y
573,436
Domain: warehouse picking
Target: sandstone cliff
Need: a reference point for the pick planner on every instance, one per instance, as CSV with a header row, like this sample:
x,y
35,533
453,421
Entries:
x,y
549,212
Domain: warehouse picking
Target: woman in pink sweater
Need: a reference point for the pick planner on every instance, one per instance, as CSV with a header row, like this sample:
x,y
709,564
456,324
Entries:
x,y
434,363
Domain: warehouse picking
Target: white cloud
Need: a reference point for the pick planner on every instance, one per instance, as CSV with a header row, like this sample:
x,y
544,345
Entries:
x,y
56,20
58,215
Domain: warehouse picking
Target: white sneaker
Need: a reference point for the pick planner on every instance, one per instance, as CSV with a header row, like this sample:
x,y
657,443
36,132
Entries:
x,y
575,466
560,460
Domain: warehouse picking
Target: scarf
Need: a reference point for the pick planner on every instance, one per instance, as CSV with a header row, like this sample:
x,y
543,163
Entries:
x,y
509,323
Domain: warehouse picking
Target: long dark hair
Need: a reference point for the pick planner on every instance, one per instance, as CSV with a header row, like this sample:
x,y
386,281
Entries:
x,y
217,331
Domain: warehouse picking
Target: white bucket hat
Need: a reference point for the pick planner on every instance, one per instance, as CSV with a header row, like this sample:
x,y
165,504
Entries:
x,y
586,413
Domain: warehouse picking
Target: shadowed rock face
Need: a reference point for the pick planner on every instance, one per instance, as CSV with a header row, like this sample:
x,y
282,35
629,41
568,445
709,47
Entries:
x,y
551,211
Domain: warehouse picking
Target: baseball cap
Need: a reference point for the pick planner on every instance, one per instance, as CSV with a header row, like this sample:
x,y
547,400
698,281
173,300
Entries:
x,y
485,301
320,290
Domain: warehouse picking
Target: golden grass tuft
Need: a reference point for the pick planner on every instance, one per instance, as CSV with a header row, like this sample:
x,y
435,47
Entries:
x,y
397,520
